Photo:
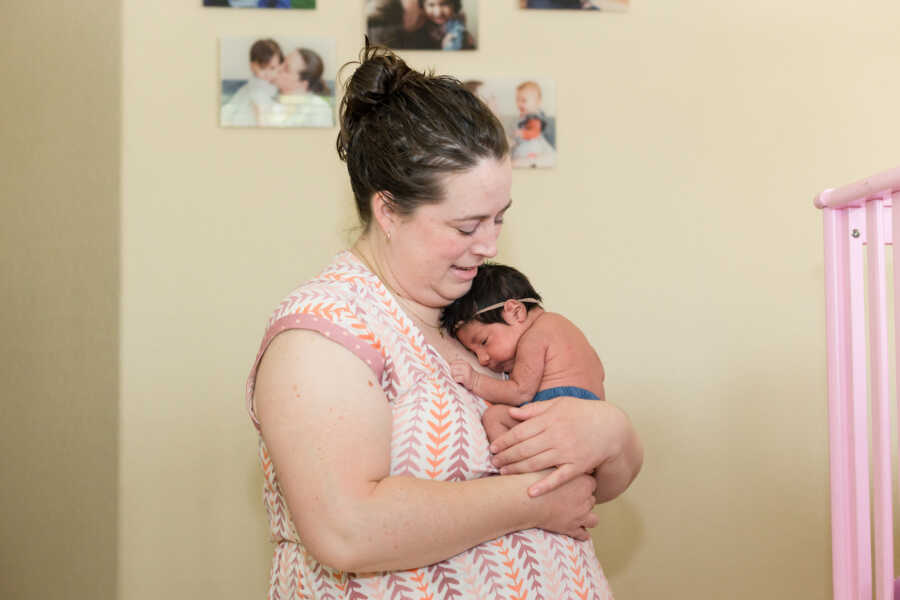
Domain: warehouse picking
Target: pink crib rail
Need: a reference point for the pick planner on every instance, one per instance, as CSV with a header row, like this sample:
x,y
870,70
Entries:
x,y
859,224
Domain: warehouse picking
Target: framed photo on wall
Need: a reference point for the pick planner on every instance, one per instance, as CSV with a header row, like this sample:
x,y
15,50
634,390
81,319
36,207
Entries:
x,y
304,4
527,109
604,5
277,81
423,25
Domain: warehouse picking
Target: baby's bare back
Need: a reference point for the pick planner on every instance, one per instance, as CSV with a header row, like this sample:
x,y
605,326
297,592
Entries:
x,y
570,360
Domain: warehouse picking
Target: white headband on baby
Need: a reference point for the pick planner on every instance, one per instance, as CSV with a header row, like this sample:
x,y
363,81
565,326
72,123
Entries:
x,y
499,304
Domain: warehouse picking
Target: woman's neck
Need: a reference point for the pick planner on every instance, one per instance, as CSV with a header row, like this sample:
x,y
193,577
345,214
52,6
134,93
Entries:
x,y
375,257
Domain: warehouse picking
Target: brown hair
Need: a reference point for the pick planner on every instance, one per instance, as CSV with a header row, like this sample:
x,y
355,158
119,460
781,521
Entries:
x,y
494,283
262,51
403,130
312,72
456,4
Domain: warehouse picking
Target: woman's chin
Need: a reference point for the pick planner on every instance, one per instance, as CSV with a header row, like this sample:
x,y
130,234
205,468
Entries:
x,y
455,289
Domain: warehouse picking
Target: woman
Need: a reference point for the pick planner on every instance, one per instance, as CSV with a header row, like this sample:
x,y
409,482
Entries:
x,y
373,456
300,92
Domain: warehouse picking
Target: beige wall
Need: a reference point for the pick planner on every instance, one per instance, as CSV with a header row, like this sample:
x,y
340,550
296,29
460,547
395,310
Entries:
x,y
678,231
60,131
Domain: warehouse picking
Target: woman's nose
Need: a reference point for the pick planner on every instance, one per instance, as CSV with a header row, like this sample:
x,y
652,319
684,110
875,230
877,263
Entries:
x,y
486,245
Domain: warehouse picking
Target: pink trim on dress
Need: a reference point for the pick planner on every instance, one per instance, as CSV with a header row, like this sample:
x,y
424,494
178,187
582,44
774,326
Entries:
x,y
369,355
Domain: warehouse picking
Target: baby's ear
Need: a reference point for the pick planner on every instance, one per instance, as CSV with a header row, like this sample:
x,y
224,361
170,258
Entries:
x,y
514,311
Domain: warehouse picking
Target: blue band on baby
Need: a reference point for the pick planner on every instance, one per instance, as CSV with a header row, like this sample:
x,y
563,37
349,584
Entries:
x,y
563,390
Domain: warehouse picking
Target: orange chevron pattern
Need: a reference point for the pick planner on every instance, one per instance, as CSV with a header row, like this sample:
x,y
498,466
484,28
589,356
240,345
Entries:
x,y
437,434
511,573
578,577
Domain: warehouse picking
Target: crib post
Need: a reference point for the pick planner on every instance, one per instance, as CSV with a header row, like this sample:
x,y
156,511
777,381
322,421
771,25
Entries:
x,y
854,218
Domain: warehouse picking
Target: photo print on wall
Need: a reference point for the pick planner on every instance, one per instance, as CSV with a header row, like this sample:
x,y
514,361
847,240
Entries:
x,y
277,81
423,25
527,109
303,4
604,5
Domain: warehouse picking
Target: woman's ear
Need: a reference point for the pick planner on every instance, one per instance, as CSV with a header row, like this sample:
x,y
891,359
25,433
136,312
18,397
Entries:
x,y
514,312
384,213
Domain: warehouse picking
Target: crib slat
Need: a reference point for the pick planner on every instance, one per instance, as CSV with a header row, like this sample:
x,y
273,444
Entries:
x,y
846,566
857,397
881,426
894,198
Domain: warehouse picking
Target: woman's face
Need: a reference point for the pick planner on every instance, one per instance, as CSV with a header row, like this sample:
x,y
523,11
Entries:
x,y
438,11
288,76
436,251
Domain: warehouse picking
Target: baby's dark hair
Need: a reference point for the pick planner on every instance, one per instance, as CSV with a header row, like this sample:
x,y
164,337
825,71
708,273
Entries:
x,y
262,51
403,131
456,4
493,284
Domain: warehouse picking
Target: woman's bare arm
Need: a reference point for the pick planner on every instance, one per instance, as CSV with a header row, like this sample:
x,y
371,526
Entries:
x,y
327,425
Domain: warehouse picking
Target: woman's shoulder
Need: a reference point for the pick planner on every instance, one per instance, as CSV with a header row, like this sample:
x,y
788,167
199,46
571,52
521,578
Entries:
x,y
342,282
338,304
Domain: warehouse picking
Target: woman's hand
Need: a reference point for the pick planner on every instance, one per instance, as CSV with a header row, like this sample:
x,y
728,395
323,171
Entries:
x,y
569,508
575,436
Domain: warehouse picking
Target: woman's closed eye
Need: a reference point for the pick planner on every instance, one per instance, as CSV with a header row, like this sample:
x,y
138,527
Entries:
x,y
471,229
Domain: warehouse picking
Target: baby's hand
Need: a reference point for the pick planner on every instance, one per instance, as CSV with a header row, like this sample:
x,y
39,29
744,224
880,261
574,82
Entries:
x,y
463,373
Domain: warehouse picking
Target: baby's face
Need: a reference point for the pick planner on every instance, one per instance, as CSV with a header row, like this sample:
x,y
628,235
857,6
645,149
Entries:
x,y
493,343
438,11
528,100
268,71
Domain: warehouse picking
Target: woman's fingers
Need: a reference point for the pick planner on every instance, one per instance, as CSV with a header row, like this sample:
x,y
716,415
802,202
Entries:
x,y
538,461
531,409
518,434
580,534
556,478
523,451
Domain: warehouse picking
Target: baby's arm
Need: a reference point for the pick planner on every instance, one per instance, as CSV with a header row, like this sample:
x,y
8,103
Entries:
x,y
523,382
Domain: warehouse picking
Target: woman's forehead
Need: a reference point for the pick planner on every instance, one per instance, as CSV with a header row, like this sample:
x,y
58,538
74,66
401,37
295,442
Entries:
x,y
483,190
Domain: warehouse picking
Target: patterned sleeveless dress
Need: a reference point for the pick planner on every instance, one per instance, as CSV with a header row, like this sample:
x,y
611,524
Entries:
x,y
437,434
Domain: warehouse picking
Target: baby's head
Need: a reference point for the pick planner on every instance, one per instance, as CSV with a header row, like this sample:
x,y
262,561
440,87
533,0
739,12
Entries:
x,y
491,318
440,11
265,59
528,97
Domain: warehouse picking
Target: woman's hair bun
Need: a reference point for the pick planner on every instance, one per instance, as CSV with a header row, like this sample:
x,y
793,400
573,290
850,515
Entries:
x,y
403,130
380,74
